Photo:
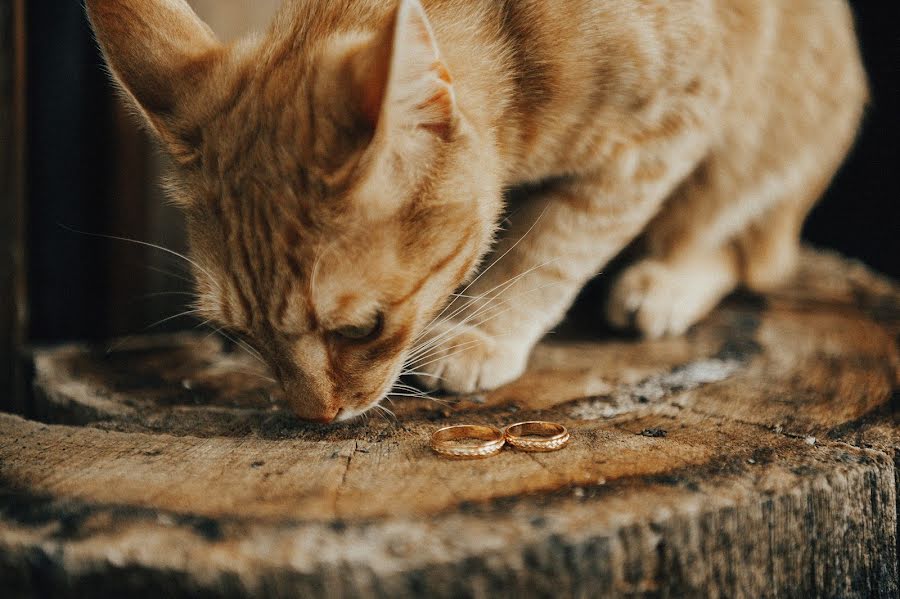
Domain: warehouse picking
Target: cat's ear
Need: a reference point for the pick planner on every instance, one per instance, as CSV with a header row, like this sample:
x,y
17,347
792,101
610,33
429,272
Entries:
x,y
402,79
162,55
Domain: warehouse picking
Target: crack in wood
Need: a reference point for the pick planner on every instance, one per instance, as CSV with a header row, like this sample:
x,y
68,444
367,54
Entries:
x,y
344,475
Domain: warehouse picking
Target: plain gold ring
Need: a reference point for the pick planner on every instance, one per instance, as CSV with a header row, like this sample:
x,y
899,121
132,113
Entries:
x,y
468,441
537,436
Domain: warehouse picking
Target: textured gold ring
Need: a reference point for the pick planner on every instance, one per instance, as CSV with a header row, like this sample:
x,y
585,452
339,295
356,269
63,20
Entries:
x,y
537,436
468,441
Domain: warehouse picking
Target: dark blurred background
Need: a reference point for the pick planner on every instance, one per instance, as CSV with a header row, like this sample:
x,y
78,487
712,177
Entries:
x,y
89,169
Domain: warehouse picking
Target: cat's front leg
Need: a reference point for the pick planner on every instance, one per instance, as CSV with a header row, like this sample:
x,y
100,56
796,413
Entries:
x,y
559,239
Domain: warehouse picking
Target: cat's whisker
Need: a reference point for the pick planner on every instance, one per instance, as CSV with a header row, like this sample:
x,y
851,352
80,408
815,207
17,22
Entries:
x,y
154,246
417,392
204,324
465,347
180,276
128,338
252,353
411,361
439,320
386,410
241,343
401,385
251,350
497,297
494,263
509,308
420,373
436,341
417,362
505,286
510,300
247,348
149,296
171,318
231,368
410,388
166,294
447,403
385,413
412,395
212,332
493,316
116,346
435,345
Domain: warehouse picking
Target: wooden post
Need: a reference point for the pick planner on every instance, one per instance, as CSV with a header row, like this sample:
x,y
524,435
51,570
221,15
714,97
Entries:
x,y
13,309
755,457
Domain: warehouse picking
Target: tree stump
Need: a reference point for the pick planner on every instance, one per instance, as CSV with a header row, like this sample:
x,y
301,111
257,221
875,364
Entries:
x,y
755,457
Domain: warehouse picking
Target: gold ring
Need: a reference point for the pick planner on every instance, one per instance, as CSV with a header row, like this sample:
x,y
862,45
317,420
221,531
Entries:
x,y
537,436
468,441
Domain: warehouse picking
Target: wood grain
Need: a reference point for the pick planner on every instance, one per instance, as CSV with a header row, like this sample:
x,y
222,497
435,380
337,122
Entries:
x,y
756,457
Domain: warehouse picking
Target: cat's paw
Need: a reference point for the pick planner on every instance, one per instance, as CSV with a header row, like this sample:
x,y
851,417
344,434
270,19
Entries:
x,y
659,301
467,359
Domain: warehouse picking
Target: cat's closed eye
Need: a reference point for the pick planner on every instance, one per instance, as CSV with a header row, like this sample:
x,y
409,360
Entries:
x,y
361,333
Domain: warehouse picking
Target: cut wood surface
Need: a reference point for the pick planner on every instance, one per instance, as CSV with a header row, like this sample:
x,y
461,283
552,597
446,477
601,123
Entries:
x,y
755,457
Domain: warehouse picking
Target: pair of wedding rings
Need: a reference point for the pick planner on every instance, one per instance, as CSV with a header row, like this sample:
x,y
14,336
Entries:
x,y
476,441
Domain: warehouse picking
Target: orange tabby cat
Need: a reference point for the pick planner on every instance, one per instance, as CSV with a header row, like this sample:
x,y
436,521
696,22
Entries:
x,y
344,174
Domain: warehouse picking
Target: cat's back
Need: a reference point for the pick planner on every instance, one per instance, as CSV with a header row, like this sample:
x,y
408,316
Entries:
x,y
582,68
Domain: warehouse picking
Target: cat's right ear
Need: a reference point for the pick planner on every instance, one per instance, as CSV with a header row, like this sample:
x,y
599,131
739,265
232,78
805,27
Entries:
x,y
162,55
401,78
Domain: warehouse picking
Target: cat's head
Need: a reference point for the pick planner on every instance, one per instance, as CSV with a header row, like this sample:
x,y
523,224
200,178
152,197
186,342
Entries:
x,y
329,177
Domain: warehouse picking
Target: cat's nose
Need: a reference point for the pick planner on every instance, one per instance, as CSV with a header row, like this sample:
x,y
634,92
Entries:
x,y
311,400
328,417
320,415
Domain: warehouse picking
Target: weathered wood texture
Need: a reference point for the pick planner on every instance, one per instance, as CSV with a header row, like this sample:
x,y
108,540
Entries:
x,y
12,206
166,468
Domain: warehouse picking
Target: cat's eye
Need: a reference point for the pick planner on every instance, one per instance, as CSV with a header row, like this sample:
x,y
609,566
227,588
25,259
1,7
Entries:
x,y
365,332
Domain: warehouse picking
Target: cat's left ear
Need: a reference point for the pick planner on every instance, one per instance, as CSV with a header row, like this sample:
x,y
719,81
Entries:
x,y
164,58
402,79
